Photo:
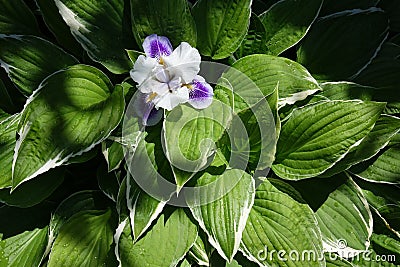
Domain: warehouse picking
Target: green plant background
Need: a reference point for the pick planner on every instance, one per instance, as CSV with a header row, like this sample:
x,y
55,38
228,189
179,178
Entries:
x,y
329,71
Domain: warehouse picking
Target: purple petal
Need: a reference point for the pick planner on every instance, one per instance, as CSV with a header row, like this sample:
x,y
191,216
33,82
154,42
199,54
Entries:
x,y
146,110
200,94
156,46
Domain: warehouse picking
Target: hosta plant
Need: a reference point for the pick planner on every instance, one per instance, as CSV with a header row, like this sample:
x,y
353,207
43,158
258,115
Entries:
x,y
199,133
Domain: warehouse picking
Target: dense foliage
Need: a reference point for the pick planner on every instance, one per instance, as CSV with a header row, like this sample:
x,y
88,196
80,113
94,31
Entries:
x,y
294,162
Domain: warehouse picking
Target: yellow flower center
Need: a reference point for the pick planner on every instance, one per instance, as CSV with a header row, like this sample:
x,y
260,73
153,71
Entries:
x,y
151,97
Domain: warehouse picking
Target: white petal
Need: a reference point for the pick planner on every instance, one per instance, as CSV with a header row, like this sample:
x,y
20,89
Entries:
x,y
153,85
199,79
175,83
160,88
184,62
162,75
171,100
143,68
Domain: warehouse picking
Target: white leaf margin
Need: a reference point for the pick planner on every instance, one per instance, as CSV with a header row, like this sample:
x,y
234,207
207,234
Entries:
x,y
240,226
336,246
357,11
131,204
356,144
305,32
117,236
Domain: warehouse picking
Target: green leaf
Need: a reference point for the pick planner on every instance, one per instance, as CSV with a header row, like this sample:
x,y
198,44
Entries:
x,y
255,76
260,6
287,22
6,101
184,263
143,208
262,131
381,72
279,222
190,136
384,168
200,251
395,140
147,193
384,201
392,108
146,160
29,59
121,203
334,6
58,27
333,260
130,89
382,225
254,42
133,55
3,115
395,39
392,9
171,237
345,221
77,202
12,21
251,137
234,263
108,182
224,219
86,156
8,131
347,91
273,101
12,100
238,261
99,29
86,238
25,249
170,18
221,26
323,53
321,134
287,110
113,153
257,147
33,191
132,130
73,110
386,242
385,128
373,259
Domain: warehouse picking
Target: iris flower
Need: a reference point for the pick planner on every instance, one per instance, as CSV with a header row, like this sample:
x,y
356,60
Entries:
x,y
167,77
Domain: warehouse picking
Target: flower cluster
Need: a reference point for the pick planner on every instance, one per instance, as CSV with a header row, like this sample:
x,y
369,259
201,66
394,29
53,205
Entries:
x,y
167,77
